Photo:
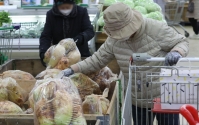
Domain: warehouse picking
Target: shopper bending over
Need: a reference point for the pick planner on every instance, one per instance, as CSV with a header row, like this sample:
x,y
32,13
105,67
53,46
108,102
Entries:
x,y
193,19
66,20
128,32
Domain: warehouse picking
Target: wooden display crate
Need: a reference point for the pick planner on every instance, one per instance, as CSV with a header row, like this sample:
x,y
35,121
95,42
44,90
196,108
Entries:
x,y
34,67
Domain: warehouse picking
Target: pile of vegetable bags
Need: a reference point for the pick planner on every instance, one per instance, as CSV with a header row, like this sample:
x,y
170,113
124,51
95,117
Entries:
x,y
62,55
147,8
12,95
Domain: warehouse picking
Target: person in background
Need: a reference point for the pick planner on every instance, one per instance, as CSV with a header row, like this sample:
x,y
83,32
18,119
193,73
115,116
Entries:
x,y
129,32
66,20
193,19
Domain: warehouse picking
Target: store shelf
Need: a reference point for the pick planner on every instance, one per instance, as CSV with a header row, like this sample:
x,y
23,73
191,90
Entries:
x,y
4,8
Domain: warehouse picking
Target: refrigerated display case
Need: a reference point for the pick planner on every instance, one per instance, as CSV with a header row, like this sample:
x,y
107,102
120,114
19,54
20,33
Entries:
x,y
32,23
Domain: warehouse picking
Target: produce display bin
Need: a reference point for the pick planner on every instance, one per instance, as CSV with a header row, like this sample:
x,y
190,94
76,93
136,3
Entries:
x,y
34,67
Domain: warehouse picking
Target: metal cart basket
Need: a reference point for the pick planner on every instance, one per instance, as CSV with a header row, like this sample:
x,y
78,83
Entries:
x,y
6,42
154,101
173,13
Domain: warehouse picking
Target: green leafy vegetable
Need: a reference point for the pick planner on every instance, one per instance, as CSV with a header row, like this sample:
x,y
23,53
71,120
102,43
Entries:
x,y
155,15
130,3
141,9
4,18
100,21
152,7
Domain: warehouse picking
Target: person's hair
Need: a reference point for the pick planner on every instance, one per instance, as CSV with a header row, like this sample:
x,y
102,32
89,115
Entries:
x,y
59,2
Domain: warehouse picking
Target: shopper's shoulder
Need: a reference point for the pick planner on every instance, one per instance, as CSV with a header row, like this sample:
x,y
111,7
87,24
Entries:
x,y
49,13
81,10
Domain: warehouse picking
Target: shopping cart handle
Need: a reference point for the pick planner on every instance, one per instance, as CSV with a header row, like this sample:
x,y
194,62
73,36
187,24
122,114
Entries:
x,y
190,114
144,57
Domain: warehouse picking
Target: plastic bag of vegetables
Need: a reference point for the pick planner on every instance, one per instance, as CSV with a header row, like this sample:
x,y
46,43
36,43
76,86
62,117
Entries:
x,y
63,55
8,107
85,85
109,2
57,102
100,21
48,73
103,78
17,75
15,93
96,104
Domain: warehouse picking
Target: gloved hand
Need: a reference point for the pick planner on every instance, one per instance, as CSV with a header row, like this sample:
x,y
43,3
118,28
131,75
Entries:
x,y
67,72
80,39
172,58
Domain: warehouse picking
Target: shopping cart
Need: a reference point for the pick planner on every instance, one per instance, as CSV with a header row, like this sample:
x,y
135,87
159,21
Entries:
x,y
190,113
173,13
146,90
6,42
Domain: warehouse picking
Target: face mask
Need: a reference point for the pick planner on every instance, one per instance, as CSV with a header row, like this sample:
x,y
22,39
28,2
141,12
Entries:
x,y
66,12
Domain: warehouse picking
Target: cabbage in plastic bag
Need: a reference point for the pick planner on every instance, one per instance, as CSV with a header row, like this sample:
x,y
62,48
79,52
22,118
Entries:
x,y
15,93
141,9
17,75
52,73
48,54
96,104
57,54
7,107
103,78
57,103
31,99
85,85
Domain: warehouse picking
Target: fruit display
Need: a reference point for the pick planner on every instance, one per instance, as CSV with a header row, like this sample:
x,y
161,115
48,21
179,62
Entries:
x,y
62,55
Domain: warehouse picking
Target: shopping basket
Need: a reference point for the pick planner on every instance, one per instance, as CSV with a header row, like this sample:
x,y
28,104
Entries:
x,y
145,93
173,14
6,42
190,113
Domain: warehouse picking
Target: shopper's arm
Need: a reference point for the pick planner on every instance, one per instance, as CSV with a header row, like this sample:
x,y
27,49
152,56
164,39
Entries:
x,y
170,40
46,36
98,60
87,29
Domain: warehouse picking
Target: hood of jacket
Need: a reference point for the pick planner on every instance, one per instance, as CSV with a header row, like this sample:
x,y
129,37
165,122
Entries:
x,y
73,13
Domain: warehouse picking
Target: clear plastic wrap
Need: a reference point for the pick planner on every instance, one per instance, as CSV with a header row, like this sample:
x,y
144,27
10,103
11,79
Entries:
x,y
85,85
48,54
96,104
57,102
48,73
63,55
17,75
103,78
30,99
15,93
7,107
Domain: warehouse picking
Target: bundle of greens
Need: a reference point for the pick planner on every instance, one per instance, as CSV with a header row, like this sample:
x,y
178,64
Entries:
x,y
4,18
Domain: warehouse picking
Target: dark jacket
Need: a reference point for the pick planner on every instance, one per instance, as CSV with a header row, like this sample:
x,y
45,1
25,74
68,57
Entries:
x,y
57,27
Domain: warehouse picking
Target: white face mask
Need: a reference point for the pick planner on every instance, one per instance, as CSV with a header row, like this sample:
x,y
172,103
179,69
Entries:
x,y
65,12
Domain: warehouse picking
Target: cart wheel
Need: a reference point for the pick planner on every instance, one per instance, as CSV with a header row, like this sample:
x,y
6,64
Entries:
x,y
186,34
